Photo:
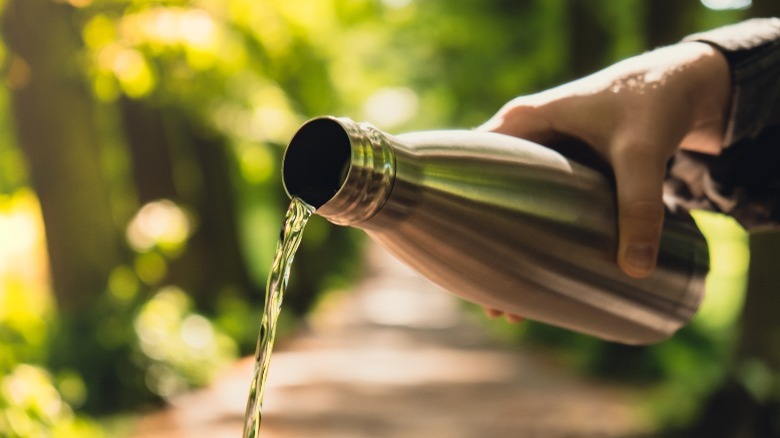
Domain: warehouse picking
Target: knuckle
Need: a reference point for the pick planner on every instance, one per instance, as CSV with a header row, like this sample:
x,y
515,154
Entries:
x,y
649,210
642,218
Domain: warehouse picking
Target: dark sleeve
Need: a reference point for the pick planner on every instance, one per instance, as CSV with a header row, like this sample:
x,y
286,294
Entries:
x,y
752,49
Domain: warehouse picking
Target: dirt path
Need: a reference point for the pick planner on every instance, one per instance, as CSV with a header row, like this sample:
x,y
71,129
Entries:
x,y
397,357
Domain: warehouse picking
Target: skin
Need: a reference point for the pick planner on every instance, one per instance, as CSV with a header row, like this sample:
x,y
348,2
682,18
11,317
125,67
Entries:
x,y
636,114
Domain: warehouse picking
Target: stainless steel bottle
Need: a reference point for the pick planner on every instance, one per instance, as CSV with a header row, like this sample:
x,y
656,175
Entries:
x,y
499,221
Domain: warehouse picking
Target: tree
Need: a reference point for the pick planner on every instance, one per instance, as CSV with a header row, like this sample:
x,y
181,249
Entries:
x,y
57,130
165,142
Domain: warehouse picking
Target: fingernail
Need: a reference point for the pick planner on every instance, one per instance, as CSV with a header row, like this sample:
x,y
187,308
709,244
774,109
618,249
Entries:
x,y
492,313
641,256
513,319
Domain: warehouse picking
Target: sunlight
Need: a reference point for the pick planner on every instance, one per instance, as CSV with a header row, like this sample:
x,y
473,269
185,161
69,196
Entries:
x,y
31,385
21,231
197,332
132,71
160,224
182,347
396,4
720,5
24,269
390,107
79,3
398,365
270,123
397,305
197,28
727,280
172,26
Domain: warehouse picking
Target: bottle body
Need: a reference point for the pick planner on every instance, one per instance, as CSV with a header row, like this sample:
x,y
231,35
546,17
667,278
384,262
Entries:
x,y
510,225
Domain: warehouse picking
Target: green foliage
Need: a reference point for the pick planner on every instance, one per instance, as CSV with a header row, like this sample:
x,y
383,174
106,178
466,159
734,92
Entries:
x,y
31,406
177,347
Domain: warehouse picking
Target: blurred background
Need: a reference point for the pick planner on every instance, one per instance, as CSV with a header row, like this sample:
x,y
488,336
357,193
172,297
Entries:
x,y
140,193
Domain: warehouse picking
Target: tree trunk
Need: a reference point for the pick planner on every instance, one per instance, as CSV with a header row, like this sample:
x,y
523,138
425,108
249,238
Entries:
x,y
173,158
765,8
668,21
149,147
214,262
56,128
589,41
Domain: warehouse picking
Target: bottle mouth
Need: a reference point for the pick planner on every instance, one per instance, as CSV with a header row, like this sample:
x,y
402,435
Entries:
x,y
344,169
317,161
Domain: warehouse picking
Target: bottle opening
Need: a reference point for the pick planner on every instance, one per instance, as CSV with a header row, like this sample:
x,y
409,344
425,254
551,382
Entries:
x,y
317,161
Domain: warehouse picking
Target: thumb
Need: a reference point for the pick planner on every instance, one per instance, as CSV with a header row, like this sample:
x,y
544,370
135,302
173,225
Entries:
x,y
524,117
639,174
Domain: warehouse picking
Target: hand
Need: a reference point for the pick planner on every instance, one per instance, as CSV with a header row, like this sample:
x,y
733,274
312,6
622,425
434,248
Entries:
x,y
635,114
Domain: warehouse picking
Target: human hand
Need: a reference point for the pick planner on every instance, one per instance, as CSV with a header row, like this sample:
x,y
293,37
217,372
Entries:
x,y
634,114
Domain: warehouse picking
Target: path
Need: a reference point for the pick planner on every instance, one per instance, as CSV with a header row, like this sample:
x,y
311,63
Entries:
x,y
397,357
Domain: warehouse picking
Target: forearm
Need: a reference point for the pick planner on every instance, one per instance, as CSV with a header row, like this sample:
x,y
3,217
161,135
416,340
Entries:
x,y
752,49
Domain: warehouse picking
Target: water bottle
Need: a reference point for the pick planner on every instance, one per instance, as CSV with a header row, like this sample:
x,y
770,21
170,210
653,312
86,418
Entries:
x,y
499,221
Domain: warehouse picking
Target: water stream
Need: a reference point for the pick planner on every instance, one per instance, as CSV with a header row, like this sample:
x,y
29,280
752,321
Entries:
x,y
292,231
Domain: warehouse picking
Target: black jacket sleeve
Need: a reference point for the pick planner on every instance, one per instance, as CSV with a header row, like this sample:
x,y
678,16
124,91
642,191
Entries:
x,y
752,49
744,179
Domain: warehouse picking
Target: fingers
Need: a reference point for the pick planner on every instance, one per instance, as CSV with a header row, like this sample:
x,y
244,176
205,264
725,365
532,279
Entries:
x,y
513,319
637,147
639,173
494,313
526,117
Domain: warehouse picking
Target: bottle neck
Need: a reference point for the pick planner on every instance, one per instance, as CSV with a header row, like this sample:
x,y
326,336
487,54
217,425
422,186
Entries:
x,y
342,168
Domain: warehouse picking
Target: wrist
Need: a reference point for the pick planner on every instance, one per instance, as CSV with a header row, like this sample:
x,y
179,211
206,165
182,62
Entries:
x,y
710,89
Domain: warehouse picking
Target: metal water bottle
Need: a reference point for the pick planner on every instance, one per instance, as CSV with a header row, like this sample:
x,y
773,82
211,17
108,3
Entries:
x,y
499,221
